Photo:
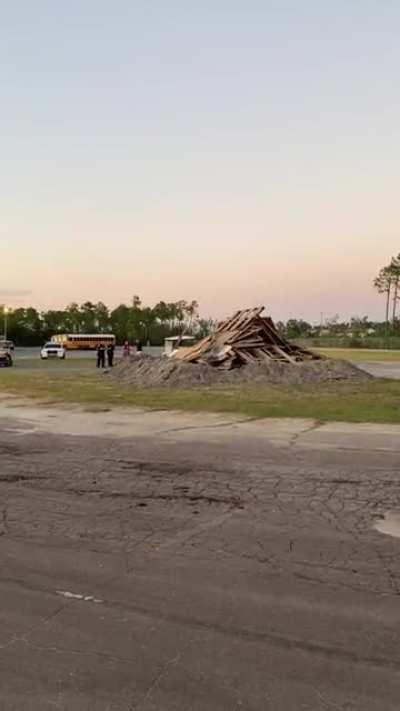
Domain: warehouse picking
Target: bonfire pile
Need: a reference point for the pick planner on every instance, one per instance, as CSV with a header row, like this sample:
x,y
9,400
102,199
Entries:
x,y
246,337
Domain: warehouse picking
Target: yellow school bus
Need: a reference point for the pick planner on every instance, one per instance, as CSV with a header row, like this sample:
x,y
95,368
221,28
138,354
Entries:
x,y
83,341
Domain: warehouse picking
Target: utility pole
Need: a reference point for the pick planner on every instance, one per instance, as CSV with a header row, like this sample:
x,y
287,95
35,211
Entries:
x,y
5,312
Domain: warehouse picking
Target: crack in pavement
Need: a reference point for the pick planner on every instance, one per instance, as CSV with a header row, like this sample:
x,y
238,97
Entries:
x,y
184,536
24,638
316,425
158,679
4,520
219,425
79,652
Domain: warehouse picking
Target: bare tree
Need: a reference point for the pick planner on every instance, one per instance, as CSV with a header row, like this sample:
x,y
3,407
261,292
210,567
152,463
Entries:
x,y
383,284
395,274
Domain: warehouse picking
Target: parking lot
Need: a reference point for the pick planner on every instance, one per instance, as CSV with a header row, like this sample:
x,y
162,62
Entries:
x,y
32,353
155,560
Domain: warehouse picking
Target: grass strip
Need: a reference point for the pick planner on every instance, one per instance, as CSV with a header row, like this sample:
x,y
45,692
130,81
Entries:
x,y
372,401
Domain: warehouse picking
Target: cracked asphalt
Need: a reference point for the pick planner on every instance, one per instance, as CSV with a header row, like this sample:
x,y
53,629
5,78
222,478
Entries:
x,y
157,560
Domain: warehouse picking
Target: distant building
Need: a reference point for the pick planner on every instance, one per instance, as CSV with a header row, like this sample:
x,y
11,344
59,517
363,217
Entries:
x,y
173,342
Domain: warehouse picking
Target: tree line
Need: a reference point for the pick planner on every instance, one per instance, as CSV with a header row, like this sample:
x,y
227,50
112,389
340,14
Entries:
x,y
388,283
29,327
151,324
354,332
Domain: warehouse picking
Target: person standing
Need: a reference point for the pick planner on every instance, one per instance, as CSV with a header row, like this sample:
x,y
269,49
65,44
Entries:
x,y
139,347
126,350
101,355
110,355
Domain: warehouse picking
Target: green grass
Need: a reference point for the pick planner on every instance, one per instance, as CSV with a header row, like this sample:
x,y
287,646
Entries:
x,y
371,401
54,365
361,355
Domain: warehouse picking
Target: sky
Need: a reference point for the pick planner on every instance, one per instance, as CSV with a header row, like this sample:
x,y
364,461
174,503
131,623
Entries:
x,y
237,153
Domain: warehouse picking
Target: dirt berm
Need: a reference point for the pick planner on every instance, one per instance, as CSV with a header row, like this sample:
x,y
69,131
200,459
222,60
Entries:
x,y
146,371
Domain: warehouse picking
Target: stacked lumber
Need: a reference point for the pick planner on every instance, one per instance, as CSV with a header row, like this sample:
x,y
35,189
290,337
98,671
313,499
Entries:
x,y
246,337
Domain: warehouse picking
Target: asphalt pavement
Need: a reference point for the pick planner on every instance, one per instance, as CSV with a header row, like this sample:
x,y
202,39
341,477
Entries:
x,y
29,353
382,370
165,561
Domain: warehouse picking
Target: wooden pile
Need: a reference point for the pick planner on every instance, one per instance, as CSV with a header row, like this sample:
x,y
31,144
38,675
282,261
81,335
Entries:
x,y
246,337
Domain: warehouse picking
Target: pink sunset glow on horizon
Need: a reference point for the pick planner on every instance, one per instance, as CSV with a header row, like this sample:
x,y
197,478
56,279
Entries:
x,y
251,159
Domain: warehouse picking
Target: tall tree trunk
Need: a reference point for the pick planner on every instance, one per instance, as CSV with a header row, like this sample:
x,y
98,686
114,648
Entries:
x,y
388,292
387,305
395,299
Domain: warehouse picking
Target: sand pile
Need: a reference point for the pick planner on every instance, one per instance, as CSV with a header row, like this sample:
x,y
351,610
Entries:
x,y
146,371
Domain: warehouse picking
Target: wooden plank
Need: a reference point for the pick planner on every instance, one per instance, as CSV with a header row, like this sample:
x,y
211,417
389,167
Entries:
x,y
262,354
248,344
243,355
194,351
285,355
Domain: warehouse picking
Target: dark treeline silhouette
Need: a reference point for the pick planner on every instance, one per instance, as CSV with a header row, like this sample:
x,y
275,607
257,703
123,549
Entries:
x,y
29,327
150,325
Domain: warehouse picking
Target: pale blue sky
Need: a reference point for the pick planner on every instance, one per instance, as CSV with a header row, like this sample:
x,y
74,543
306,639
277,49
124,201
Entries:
x,y
237,153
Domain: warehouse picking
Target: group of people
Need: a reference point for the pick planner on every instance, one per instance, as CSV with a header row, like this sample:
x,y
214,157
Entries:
x,y
104,352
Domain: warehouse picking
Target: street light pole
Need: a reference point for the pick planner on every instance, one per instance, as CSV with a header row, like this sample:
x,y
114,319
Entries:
x,y
5,322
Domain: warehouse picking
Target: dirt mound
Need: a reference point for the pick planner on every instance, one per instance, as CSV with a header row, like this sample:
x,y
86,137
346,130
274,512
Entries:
x,y
146,371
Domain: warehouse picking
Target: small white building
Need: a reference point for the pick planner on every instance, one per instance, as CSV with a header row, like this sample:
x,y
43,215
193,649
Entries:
x,y
171,343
